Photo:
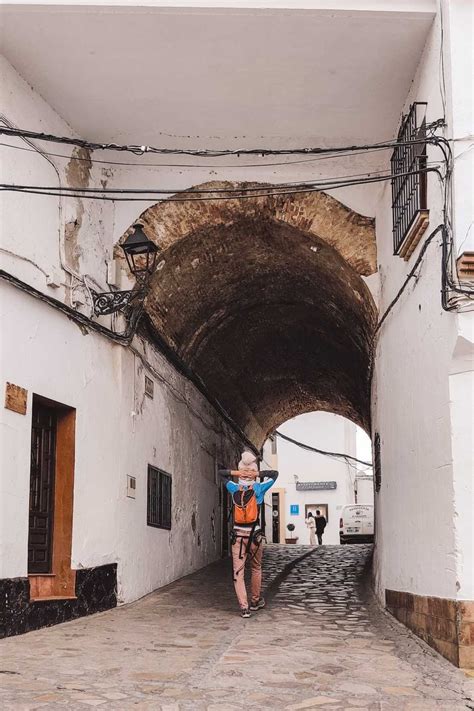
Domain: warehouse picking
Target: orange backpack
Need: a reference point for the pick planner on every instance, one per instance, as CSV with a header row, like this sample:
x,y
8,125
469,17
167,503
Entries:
x,y
245,506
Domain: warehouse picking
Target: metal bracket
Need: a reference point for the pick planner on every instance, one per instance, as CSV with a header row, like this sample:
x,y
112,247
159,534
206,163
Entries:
x,y
109,302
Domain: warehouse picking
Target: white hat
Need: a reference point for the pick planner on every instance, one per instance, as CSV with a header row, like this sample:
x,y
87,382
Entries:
x,y
248,461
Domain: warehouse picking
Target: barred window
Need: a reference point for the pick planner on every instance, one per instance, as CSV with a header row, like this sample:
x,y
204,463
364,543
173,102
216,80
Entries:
x,y
158,498
409,182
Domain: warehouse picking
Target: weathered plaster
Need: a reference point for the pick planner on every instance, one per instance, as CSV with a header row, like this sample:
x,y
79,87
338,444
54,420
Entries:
x,y
78,174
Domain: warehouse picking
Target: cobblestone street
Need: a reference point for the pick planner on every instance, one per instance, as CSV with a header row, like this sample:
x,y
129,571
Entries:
x,y
321,642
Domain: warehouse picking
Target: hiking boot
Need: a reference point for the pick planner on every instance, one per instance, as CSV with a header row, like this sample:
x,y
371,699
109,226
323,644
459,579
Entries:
x,y
245,612
257,605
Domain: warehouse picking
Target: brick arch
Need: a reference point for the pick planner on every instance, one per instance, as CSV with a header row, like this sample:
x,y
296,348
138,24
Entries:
x,y
263,298
319,214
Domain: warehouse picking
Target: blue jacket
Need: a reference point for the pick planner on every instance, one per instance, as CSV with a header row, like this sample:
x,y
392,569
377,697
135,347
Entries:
x,y
260,488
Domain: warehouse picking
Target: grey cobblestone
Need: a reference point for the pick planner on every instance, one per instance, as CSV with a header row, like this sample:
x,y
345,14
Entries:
x,y
321,643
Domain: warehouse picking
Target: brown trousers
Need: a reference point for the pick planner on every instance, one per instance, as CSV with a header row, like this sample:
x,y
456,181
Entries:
x,y
239,559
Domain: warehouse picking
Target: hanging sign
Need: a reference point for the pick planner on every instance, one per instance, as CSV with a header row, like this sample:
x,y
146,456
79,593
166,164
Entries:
x,y
16,398
315,485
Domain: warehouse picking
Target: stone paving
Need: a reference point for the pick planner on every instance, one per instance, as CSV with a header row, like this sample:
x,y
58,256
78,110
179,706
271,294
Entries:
x,y
321,643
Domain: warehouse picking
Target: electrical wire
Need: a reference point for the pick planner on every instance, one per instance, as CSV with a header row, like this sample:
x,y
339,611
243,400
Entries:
x,y
410,276
335,455
252,187
144,149
231,194
431,138
121,338
138,318
200,165
73,276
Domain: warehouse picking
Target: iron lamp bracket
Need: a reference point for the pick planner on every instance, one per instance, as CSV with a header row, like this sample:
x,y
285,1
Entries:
x,y
109,302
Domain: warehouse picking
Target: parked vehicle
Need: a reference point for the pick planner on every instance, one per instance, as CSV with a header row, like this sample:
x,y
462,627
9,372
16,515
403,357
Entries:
x,y
356,524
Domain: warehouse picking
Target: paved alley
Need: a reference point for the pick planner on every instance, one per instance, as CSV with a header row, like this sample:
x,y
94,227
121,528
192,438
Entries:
x,y
321,643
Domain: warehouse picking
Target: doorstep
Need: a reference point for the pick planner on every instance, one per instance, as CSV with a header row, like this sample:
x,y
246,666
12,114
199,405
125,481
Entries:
x,y
53,597
52,586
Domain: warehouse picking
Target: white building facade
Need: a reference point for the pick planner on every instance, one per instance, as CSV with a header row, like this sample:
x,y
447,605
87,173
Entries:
x,y
133,493
309,481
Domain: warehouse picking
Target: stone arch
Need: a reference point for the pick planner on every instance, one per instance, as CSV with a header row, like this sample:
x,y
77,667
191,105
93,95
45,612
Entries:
x,y
263,298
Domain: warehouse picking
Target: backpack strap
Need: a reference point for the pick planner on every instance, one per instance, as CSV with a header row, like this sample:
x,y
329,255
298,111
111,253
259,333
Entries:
x,y
252,530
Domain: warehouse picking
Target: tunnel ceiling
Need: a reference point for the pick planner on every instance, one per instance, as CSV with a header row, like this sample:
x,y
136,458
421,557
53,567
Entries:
x,y
264,300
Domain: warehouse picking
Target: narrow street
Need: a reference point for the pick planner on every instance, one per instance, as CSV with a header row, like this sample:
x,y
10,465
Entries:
x,y
322,642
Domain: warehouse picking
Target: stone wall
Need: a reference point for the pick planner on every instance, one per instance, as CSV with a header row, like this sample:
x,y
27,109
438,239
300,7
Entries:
x,y
446,625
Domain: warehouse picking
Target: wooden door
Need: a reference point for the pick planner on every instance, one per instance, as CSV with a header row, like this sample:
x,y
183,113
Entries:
x,y
276,517
43,451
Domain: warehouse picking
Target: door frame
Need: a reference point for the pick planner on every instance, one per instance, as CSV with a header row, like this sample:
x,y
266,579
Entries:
x,y
60,582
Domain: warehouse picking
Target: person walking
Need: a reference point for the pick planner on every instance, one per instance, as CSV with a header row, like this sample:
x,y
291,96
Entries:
x,y
311,524
247,536
320,526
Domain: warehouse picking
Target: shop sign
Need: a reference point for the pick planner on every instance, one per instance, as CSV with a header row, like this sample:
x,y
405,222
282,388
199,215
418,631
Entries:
x,y
315,485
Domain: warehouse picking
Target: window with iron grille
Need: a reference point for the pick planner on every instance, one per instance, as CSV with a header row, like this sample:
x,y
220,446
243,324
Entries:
x,y
377,462
409,200
158,498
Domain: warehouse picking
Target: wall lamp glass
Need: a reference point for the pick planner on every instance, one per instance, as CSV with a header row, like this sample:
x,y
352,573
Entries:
x,y
140,253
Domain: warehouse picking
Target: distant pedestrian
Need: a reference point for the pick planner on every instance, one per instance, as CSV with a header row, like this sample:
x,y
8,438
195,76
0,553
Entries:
x,y
247,535
320,526
311,524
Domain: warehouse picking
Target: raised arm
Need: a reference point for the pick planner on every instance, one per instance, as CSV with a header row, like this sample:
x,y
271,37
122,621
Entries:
x,y
228,473
269,474
270,477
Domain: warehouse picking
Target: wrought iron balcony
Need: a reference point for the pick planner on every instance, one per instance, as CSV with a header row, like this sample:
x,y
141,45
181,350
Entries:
x,y
409,182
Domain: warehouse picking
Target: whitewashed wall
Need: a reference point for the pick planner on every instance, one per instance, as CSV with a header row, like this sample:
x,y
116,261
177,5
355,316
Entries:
x,y
460,28
461,393
418,549
119,431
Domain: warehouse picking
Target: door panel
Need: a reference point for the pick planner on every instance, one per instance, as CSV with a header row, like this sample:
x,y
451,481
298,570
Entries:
x,y
276,517
43,451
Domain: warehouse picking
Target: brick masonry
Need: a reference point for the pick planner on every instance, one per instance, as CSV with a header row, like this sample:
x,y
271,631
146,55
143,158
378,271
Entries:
x,y
446,625
264,300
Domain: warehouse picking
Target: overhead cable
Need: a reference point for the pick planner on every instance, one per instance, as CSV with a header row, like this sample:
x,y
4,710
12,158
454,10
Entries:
x,y
336,455
200,165
252,187
144,149
111,194
410,276
139,318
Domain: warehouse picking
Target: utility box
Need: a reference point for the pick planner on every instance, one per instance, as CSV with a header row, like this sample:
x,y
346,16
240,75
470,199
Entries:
x,y
113,273
131,487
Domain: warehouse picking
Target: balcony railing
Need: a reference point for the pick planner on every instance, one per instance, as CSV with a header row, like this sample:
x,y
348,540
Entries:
x,y
409,182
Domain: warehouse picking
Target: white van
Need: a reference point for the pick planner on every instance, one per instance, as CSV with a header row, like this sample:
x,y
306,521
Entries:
x,y
356,524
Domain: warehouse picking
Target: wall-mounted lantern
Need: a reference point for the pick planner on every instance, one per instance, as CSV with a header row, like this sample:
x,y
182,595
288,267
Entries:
x,y
141,254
